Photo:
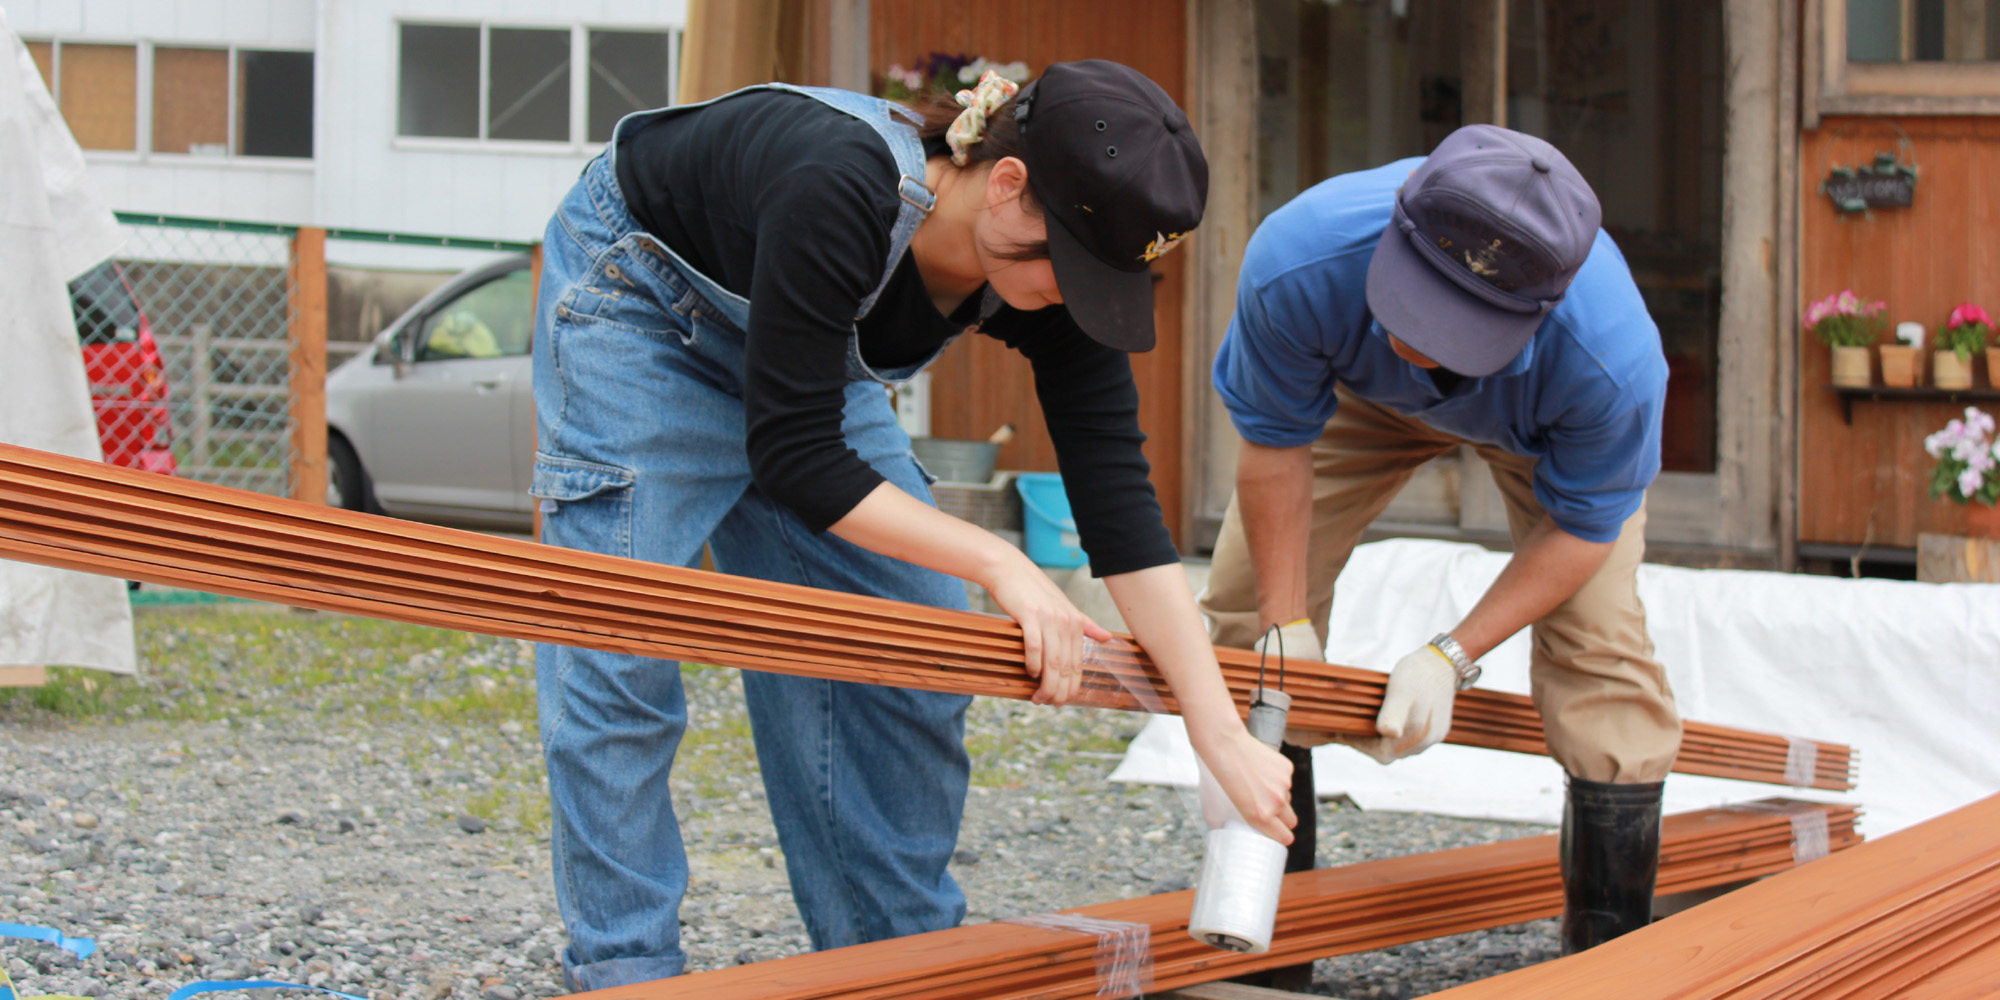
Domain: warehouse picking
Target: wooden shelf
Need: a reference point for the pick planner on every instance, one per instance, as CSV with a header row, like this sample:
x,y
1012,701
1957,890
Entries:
x,y
1925,393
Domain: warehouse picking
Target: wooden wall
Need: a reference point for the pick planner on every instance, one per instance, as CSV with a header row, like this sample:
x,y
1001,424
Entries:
x,y
980,384
1869,482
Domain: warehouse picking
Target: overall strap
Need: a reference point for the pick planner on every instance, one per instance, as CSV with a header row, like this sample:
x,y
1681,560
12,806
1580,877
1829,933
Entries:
x,y
897,125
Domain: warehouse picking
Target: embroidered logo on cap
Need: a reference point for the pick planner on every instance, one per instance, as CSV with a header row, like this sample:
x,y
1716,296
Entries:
x,y
1162,242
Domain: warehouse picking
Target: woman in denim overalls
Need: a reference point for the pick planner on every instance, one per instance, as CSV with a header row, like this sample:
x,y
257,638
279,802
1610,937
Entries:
x,y
657,434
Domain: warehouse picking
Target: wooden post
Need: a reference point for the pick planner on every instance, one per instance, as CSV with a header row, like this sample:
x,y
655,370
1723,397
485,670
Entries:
x,y
200,452
306,292
535,283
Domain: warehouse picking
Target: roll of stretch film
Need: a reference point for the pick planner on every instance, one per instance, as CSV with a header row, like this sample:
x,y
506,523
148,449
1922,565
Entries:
x,y
1236,901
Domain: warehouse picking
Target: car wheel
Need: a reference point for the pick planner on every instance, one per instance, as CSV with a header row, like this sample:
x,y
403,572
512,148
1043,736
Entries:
x,y
347,483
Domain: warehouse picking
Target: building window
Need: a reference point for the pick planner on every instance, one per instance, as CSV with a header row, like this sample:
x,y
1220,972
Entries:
x,y
629,71
489,82
1903,57
1923,30
201,102
274,103
97,88
191,101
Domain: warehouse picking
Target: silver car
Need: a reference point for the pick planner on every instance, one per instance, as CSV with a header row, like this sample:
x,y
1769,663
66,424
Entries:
x,y
436,421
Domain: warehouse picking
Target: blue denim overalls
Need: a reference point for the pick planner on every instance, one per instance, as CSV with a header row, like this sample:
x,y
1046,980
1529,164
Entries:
x,y
639,398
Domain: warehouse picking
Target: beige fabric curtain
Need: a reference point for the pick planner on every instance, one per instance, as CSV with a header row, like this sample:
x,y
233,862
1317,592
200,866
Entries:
x,y
737,43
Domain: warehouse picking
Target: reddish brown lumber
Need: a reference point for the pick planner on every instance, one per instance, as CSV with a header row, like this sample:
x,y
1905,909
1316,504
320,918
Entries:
x,y
1326,912
1916,913
97,518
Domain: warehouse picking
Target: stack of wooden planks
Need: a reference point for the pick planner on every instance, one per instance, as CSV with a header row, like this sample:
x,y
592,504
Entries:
x,y
88,516
1329,911
1914,914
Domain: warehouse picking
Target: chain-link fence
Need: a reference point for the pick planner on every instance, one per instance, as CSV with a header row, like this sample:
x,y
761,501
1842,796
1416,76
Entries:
x,y
211,319
189,336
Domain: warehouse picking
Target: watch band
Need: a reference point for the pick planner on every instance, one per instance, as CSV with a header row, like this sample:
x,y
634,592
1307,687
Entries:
x,y
1468,671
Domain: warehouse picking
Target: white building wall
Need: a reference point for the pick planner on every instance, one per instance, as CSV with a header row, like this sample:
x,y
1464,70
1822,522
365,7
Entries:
x,y
372,179
362,175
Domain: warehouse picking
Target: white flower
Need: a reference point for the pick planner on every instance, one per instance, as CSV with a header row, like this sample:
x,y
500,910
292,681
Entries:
x,y
1016,71
1979,421
1934,445
1970,481
1967,450
972,71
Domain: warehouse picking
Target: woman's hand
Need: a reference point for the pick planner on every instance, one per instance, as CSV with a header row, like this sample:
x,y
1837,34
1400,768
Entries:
x,y
1257,778
899,525
1051,628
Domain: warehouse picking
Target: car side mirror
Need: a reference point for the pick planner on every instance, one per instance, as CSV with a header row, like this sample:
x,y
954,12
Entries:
x,y
395,350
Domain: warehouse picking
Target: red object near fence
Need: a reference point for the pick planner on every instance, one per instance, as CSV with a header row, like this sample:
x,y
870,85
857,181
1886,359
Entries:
x,y
128,384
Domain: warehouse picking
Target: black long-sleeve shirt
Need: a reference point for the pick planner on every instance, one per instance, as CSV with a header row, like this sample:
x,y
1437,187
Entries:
x,y
789,203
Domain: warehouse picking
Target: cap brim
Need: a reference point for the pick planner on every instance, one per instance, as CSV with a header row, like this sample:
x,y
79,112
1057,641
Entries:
x,y
1114,307
1438,319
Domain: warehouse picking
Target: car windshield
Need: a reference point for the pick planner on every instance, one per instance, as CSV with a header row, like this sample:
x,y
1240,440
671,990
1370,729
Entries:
x,y
105,311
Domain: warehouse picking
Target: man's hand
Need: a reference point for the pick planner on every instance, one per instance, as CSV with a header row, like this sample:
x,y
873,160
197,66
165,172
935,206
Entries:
x,y
1296,641
1416,711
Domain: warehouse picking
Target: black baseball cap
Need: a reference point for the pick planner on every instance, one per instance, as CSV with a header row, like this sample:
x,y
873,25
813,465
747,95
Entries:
x,y
1481,245
1121,179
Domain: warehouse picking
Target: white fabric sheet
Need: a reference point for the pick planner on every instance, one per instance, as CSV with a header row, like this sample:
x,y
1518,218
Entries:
x,y
53,227
1908,674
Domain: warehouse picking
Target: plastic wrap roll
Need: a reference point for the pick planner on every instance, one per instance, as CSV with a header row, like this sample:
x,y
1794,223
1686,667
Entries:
x,y
1236,901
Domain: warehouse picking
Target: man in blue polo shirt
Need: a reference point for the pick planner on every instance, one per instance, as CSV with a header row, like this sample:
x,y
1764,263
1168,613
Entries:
x,y
1392,315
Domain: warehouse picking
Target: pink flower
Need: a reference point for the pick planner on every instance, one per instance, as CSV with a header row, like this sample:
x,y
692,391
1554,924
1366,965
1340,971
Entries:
x,y
1848,302
1819,311
1968,313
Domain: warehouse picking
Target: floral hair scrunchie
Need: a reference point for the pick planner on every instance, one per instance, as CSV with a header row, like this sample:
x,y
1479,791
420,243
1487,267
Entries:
x,y
981,101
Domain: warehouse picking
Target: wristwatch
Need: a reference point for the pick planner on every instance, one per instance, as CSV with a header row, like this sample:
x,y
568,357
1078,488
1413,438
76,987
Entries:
x,y
1467,670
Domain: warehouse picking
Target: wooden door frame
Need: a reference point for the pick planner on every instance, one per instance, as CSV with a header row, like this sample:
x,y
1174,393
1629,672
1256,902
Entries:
x,y
1734,514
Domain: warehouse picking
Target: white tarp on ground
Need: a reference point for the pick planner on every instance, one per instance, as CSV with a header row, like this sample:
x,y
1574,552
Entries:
x,y
52,228
1908,674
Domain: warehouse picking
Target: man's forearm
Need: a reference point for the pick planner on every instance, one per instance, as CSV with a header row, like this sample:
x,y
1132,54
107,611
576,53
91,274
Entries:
x,y
1274,503
1548,568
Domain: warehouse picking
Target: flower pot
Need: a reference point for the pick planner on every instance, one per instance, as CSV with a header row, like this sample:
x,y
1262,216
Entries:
x,y
1949,372
1982,521
1993,366
1852,368
1900,366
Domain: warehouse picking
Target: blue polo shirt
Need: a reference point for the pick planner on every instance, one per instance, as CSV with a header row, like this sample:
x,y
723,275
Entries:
x,y
1584,398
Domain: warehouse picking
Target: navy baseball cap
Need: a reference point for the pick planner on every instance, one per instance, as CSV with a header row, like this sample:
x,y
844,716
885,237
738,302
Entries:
x,y
1121,179
1482,244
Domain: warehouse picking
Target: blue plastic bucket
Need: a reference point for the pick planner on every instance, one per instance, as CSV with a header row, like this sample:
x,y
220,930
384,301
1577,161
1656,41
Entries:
x,y
1049,530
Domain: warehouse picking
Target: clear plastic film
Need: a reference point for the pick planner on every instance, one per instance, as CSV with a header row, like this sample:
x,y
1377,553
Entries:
x,y
1242,871
1801,761
1124,950
1811,836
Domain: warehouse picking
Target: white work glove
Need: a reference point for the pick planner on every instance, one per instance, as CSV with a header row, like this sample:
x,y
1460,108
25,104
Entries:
x,y
1299,642
1416,710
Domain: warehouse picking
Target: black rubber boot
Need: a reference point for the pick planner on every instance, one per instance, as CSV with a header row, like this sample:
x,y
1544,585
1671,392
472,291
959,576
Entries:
x,y
1610,860
1301,856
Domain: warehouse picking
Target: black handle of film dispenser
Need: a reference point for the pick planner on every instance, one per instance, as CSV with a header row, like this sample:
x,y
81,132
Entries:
x,y
1269,708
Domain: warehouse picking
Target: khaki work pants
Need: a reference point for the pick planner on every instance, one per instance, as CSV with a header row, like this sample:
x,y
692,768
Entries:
x,y
1605,704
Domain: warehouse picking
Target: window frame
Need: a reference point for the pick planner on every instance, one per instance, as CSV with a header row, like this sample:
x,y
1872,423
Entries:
x,y
142,101
579,141
1836,86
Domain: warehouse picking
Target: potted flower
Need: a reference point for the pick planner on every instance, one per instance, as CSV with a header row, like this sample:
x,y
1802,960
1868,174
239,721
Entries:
x,y
944,72
1965,334
1848,325
1968,468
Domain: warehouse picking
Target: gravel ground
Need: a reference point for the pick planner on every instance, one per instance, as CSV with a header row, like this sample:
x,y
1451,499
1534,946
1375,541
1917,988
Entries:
x,y
359,805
